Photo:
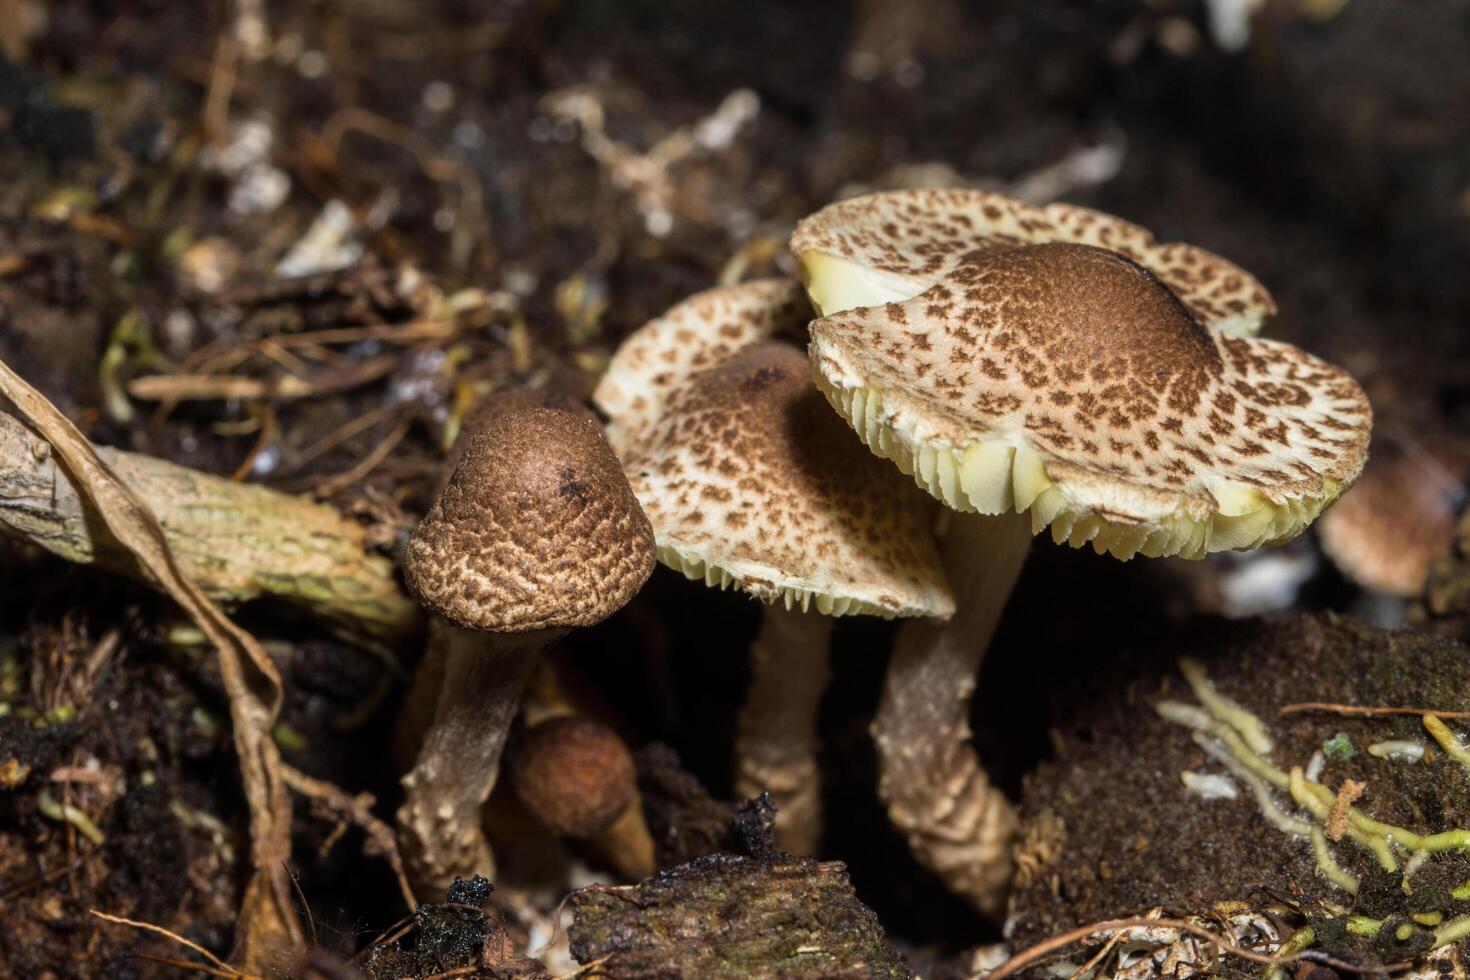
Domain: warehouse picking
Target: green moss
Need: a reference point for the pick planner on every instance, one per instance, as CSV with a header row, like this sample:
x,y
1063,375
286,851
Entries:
x,y
1339,747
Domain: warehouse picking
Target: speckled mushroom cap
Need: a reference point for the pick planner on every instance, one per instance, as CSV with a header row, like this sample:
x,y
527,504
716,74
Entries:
x,y
1068,380
892,246
696,334
536,529
1387,533
750,481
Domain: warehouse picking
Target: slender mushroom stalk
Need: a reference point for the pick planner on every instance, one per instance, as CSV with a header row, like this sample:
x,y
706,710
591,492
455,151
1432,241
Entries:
x,y
776,731
535,533
577,778
1012,366
930,776
751,482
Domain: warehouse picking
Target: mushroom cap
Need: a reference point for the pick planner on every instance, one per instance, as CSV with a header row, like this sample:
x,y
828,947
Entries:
x,y
892,246
751,481
536,529
1399,518
513,399
1068,380
574,775
697,333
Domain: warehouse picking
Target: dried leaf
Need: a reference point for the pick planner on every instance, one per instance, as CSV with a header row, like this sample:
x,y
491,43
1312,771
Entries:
x,y
267,928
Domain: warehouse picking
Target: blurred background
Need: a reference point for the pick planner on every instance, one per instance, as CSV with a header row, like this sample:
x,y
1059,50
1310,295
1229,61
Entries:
x,y
180,181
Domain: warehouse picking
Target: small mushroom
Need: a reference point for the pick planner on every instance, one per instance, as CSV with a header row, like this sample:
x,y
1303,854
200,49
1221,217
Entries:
x,y
535,533
576,777
1400,516
1059,385
751,482
428,679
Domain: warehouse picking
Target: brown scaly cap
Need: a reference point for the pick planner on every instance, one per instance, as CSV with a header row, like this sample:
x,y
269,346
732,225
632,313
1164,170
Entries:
x,y
513,399
574,775
1068,380
750,480
696,334
892,246
536,529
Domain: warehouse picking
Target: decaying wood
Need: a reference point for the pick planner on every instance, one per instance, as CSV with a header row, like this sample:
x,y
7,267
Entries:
x,y
237,541
734,915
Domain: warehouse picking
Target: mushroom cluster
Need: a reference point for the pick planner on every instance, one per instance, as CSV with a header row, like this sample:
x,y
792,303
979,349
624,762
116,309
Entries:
x,y
1019,369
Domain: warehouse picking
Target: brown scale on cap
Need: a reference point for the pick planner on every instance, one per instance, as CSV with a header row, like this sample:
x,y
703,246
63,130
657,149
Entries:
x,y
1122,416
1399,518
748,475
696,334
906,241
536,529
575,775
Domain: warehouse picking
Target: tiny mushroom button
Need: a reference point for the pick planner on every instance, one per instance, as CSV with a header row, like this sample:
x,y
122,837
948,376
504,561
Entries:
x,y
535,533
1030,378
576,776
751,482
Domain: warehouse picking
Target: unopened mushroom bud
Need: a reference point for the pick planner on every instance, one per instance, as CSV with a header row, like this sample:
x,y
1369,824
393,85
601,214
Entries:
x,y
535,533
1051,367
577,778
751,482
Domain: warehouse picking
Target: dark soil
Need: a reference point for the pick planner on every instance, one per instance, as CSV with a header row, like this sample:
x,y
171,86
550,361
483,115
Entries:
x,y
1328,157
1112,831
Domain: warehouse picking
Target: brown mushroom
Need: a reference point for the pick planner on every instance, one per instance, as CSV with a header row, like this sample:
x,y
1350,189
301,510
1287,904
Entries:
x,y
1400,517
576,777
1117,400
535,533
428,679
750,482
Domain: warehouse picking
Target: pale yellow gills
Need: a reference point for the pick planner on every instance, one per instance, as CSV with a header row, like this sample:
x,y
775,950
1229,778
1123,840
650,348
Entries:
x,y
892,246
1069,381
750,481
698,333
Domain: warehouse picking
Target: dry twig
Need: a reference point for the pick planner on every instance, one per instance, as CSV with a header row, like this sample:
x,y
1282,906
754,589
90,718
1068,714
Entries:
x,y
1353,709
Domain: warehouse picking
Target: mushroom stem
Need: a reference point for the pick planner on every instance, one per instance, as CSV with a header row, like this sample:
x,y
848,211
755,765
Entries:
x,y
776,735
627,845
439,822
958,824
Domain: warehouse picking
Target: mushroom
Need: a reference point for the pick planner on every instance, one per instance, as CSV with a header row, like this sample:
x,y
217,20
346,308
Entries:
x,y
1400,517
428,679
576,777
751,482
1113,394
535,533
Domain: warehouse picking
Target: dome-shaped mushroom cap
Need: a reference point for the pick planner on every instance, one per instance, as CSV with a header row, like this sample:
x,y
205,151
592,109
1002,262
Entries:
x,y
892,246
1399,518
750,480
575,775
536,529
696,334
1068,380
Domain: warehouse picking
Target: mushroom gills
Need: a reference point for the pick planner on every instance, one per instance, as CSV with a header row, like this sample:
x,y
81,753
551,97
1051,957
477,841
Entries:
x,y
994,477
